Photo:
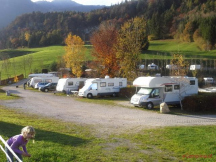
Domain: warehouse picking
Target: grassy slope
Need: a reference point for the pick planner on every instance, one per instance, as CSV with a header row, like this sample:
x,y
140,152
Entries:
x,y
43,57
163,49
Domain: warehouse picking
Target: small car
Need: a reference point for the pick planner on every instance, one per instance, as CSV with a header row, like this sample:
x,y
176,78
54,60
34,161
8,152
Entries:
x,y
48,87
40,84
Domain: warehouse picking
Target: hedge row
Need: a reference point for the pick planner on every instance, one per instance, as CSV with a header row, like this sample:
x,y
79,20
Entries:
x,y
127,92
11,80
200,103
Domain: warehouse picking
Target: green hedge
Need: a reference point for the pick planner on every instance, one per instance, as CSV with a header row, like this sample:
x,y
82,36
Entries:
x,y
200,103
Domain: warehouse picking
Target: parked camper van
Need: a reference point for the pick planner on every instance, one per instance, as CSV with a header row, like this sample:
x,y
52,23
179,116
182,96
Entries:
x,y
152,67
70,84
208,80
35,80
155,90
195,67
102,87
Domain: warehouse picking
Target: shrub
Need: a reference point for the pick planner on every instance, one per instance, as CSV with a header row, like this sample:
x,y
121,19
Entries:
x,y
127,92
200,103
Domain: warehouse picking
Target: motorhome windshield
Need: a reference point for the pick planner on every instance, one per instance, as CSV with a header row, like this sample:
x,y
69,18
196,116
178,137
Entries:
x,y
87,85
144,91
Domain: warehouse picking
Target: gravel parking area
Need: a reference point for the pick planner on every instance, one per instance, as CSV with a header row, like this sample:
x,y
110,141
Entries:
x,y
104,118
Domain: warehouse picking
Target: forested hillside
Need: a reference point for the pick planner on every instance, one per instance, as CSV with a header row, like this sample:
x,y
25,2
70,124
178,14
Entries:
x,y
187,20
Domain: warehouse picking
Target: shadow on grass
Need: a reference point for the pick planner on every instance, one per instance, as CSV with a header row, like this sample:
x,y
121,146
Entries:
x,y
9,130
14,53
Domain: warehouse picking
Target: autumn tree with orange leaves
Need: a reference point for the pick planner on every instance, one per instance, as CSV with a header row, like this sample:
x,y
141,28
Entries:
x,y
75,54
104,51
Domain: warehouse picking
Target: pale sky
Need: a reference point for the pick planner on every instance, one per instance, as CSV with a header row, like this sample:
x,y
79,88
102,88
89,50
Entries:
x,y
92,2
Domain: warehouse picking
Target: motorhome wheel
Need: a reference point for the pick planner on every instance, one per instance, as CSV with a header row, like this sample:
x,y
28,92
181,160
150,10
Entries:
x,y
114,95
149,105
89,95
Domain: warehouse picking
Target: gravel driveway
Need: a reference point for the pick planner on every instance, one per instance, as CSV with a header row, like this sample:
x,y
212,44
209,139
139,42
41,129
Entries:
x,y
104,118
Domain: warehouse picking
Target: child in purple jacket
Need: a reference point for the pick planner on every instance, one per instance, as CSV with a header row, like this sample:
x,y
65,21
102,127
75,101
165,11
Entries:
x,y
20,140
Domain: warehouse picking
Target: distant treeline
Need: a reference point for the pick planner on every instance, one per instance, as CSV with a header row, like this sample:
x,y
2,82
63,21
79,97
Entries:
x,y
187,20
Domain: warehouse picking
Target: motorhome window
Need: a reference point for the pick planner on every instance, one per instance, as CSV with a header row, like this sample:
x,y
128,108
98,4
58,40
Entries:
x,y
110,84
48,80
155,93
38,80
192,82
168,88
70,83
120,84
103,84
176,87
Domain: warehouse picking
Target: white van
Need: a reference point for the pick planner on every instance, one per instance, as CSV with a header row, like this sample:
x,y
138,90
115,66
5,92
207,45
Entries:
x,y
208,80
35,80
69,84
155,90
195,67
152,67
102,87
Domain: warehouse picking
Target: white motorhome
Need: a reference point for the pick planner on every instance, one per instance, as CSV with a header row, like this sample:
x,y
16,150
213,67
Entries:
x,y
171,67
152,67
208,80
195,67
46,79
69,84
102,87
155,90
141,67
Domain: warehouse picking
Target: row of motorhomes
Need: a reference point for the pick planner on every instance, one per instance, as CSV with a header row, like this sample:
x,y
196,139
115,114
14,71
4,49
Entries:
x,y
153,66
150,91
86,87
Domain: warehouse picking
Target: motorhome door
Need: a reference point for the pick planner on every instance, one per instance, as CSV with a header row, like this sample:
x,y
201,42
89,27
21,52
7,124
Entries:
x,y
155,97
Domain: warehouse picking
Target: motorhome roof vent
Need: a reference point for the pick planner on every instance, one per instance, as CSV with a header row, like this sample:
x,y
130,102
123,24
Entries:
x,y
107,76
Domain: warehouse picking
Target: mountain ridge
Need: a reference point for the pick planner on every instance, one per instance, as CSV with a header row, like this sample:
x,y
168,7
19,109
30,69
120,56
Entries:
x,y
10,9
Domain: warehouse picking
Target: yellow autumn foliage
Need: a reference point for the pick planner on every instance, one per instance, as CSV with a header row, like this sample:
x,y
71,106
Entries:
x,y
74,54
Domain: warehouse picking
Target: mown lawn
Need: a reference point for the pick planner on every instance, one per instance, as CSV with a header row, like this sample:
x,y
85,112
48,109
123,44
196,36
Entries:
x,y
63,142
58,141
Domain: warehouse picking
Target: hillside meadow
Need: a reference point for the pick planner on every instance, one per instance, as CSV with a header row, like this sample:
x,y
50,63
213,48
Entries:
x,y
44,56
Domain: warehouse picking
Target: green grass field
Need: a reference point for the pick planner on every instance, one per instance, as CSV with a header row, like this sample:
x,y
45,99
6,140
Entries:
x,y
58,141
163,49
43,57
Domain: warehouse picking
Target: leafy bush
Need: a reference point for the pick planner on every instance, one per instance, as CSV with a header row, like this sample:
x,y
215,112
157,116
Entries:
x,y
127,92
199,103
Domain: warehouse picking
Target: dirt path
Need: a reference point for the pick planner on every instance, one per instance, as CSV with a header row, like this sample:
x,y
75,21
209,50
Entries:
x,y
104,118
